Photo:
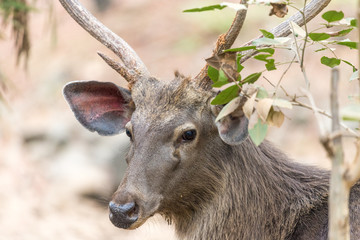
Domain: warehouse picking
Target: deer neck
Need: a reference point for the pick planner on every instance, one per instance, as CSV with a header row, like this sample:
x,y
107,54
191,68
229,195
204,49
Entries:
x,y
264,194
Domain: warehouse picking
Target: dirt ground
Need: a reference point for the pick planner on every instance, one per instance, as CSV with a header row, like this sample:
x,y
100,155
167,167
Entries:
x,y
49,163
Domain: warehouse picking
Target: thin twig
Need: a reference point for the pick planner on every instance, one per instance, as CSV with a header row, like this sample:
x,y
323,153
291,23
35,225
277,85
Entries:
x,y
295,102
269,81
283,74
306,37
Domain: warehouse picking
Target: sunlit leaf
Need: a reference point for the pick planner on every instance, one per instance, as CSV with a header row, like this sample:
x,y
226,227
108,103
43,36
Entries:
x,y
263,107
354,76
351,112
333,16
282,103
235,6
228,108
226,95
297,29
267,34
330,62
249,106
258,132
280,41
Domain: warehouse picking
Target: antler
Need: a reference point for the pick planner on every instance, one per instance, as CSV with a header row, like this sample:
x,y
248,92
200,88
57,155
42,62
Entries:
x,y
225,41
131,67
310,11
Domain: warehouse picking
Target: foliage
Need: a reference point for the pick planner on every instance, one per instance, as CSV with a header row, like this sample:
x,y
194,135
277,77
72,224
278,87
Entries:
x,y
269,108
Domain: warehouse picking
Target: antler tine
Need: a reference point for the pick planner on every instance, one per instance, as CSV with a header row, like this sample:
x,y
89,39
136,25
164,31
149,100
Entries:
x,y
226,40
133,68
311,10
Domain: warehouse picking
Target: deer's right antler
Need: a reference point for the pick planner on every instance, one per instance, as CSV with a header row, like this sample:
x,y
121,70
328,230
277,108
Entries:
x,y
131,67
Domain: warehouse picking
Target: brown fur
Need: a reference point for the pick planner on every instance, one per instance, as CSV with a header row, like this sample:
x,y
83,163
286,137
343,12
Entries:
x,y
229,192
207,188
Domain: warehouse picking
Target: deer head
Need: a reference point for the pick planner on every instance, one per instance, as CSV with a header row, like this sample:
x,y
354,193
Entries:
x,y
172,165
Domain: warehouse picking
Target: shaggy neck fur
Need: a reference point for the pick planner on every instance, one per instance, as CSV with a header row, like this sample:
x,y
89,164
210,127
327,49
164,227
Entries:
x,y
262,194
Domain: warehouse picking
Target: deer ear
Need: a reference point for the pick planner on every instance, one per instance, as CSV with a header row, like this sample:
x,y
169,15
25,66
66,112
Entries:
x,y
233,128
99,106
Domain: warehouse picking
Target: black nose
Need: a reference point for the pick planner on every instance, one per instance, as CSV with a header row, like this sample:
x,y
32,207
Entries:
x,y
123,215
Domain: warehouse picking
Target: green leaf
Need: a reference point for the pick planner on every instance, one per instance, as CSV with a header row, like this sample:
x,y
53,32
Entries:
x,y
267,50
240,49
258,132
350,64
318,36
262,93
354,23
262,57
351,45
270,65
321,49
330,62
346,21
207,8
226,96
333,16
222,80
213,74
351,112
239,66
267,34
344,32
251,78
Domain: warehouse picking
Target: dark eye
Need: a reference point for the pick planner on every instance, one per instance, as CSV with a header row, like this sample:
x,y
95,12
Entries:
x,y
189,135
128,133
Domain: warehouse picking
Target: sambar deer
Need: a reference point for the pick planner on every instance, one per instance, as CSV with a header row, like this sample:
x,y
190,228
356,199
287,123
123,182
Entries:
x,y
210,180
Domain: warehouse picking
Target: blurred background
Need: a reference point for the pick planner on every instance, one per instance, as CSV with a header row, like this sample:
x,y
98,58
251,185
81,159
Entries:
x,y
55,176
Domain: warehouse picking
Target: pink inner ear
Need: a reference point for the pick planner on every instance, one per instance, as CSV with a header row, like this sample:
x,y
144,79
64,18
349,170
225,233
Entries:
x,y
92,100
95,104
